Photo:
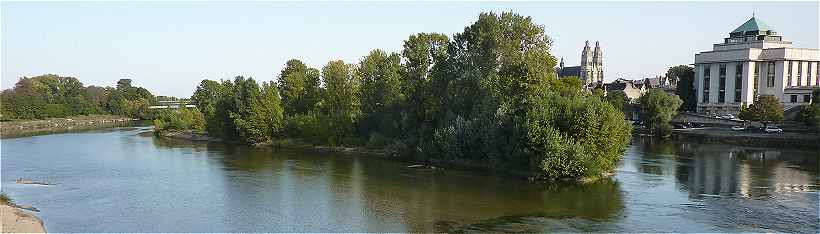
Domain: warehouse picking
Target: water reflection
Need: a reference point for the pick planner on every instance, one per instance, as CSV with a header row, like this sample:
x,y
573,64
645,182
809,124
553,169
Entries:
x,y
336,192
126,180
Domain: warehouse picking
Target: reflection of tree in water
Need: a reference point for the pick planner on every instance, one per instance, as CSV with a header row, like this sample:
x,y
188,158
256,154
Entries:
x,y
575,205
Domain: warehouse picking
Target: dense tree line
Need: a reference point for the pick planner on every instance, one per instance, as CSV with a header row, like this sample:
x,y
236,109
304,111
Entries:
x,y
53,96
488,96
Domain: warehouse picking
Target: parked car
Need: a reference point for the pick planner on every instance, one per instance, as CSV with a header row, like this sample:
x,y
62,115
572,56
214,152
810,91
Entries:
x,y
738,128
773,129
727,116
680,126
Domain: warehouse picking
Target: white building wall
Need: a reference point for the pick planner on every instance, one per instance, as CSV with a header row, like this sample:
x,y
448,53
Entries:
x,y
731,70
748,81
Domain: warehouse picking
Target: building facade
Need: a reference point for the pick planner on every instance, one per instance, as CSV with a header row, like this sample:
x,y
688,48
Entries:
x,y
591,70
754,61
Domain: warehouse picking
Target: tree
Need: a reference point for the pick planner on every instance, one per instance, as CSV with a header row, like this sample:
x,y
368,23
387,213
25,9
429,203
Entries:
x,y
341,99
810,114
766,108
423,55
381,93
686,86
299,88
618,100
256,116
657,109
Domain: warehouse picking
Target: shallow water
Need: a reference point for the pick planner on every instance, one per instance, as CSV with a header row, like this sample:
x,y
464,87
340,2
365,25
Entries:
x,y
125,180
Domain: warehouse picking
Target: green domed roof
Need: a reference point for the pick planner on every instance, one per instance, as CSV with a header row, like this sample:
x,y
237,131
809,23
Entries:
x,y
752,24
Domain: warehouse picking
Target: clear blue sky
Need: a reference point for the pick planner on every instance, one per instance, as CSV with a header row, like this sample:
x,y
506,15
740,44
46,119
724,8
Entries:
x,y
169,47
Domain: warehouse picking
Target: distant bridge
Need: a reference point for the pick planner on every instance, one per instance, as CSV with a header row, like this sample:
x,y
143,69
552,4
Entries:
x,y
172,105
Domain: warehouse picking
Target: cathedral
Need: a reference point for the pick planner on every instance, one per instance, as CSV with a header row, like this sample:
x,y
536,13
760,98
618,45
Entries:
x,y
591,70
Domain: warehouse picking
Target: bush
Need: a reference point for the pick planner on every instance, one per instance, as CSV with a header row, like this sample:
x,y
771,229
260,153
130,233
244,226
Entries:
x,y
5,199
576,137
179,119
55,111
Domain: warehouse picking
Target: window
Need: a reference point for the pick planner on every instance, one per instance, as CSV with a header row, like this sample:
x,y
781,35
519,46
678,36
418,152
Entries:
x,y
807,98
706,78
799,73
705,96
722,83
808,73
738,80
756,80
793,98
770,75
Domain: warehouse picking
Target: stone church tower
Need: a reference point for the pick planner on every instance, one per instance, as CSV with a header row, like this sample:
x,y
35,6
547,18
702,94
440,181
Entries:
x,y
592,64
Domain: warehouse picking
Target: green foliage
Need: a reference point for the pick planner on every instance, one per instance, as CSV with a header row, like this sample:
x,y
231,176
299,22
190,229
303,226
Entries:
x,y
381,94
657,109
766,108
299,88
52,96
5,199
810,114
179,119
576,137
686,88
488,97
341,99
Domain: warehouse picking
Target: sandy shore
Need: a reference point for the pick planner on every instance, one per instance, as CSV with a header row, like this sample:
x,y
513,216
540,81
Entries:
x,y
17,221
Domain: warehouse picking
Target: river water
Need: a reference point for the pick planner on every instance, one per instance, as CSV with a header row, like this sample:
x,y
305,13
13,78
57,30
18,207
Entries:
x,y
126,180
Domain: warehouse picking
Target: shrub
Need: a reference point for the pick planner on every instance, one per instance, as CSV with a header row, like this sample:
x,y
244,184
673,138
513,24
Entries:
x,y
576,137
179,119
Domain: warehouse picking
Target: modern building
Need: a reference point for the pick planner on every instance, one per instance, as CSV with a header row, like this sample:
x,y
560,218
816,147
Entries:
x,y
591,70
754,60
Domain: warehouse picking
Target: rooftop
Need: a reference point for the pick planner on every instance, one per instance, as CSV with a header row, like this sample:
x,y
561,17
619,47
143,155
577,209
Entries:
x,y
752,25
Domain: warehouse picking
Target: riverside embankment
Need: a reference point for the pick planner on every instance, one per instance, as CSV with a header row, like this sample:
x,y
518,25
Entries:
x,y
746,138
18,128
15,220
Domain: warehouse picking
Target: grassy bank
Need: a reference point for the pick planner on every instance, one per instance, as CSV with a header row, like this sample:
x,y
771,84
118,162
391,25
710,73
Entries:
x,y
16,128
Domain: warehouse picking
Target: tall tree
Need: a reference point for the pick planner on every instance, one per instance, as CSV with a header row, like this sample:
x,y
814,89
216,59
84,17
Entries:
x,y
686,85
341,97
423,55
299,87
381,92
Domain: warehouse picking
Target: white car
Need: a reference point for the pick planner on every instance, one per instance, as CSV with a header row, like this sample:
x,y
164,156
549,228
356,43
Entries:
x,y
738,128
727,116
773,129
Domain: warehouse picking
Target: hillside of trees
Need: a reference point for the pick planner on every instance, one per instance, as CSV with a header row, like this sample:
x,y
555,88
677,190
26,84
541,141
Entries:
x,y
487,96
53,96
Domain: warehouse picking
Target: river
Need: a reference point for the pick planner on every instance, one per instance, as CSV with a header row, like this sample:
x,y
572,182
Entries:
x,y
126,180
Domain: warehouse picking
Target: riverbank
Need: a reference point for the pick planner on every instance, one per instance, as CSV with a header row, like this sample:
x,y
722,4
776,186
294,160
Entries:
x,y
18,128
189,135
743,138
14,220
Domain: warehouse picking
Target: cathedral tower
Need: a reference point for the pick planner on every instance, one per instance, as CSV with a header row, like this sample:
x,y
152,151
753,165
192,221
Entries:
x,y
598,65
586,64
